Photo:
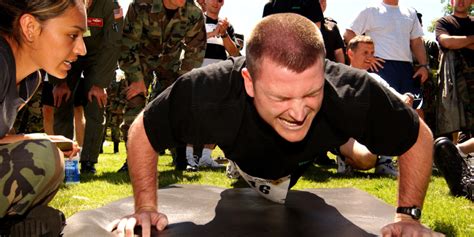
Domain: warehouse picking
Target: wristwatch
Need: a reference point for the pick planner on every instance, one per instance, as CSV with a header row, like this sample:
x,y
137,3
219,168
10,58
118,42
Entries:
x,y
414,211
427,66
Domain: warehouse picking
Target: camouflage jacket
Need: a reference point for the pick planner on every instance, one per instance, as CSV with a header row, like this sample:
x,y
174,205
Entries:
x,y
151,42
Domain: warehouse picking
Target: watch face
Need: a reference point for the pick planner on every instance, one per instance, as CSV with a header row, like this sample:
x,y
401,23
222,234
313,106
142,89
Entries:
x,y
416,213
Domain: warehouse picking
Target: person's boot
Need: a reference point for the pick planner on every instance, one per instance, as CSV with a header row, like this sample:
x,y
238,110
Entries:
x,y
40,221
88,167
451,164
116,147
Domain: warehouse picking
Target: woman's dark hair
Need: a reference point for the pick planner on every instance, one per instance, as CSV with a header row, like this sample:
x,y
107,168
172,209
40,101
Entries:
x,y
42,10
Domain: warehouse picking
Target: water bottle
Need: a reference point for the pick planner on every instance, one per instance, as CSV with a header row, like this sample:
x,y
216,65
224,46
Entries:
x,y
71,167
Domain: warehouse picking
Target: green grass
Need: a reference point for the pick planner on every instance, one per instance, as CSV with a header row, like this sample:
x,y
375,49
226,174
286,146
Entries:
x,y
442,212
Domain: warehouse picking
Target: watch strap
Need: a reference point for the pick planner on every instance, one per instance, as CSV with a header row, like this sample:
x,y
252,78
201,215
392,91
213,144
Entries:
x,y
414,212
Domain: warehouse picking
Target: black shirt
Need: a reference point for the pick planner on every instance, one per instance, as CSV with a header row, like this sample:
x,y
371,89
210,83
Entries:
x,y
310,9
452,25
332,38
209,105
11,97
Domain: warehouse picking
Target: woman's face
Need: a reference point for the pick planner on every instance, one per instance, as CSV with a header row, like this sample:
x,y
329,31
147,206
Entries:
x,y
60,42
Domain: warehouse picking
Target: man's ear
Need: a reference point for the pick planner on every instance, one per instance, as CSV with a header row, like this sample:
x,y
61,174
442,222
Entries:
x,y
350,54
29,27
248,82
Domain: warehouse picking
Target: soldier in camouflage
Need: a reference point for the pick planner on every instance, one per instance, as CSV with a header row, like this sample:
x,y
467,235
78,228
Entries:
x,y
31,165
115,109
102,39
162,40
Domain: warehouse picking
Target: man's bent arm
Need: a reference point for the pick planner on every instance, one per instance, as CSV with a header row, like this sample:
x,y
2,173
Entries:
x,y
142,160
455,41
348,35
415,169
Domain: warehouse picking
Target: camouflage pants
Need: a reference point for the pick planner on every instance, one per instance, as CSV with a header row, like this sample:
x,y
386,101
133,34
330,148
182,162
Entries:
x,y
31,172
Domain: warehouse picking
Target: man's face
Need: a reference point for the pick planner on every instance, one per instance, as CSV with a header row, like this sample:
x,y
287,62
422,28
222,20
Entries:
x,y
461,6
202,3
361,56
214,6
286,100
177,3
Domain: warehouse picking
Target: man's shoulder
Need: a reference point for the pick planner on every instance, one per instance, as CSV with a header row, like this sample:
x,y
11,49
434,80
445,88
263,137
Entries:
x,y
345,80
446,19
193,11
227,72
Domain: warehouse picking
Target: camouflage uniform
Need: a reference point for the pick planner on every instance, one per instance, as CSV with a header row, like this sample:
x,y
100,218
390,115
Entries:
x,y
102,39
30,174
115,107
30,117
153,45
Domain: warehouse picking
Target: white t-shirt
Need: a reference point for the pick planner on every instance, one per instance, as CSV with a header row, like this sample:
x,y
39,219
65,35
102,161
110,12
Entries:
x,y
391,29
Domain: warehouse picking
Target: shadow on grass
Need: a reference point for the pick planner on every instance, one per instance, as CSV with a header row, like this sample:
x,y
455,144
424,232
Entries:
x,y
323,174
111,177
445,228
166,177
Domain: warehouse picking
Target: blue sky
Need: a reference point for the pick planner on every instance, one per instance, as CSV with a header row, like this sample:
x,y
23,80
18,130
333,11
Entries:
x,y
243,14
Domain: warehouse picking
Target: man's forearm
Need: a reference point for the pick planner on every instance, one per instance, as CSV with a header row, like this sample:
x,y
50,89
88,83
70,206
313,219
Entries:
x,y
415,169
455,41
348,35
142,160
230,46
418,49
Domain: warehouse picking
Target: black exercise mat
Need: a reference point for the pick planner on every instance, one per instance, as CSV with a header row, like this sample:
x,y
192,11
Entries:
x,y
195,210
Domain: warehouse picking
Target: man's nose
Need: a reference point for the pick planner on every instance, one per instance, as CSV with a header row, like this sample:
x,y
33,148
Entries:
x,y
297,110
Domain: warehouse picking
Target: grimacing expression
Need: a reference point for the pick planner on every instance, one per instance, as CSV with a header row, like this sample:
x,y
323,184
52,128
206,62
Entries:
x,y
288,101
362,55
58,42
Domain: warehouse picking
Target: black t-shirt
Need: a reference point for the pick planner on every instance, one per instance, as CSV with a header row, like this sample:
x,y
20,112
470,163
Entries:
x,y
215,47
452,25
210,106
307,8
332,38
12,98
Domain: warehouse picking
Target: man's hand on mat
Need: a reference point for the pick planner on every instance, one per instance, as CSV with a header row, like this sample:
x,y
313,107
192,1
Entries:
x,y
145,218
407,228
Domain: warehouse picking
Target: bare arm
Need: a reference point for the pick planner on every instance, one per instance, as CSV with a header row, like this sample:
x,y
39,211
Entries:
x,y
230,46
418,49
456,42
415,169
348,35
415,172
339,54
142,160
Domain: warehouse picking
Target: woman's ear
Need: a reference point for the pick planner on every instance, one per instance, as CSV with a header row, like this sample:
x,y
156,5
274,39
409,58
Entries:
x,y
29,27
